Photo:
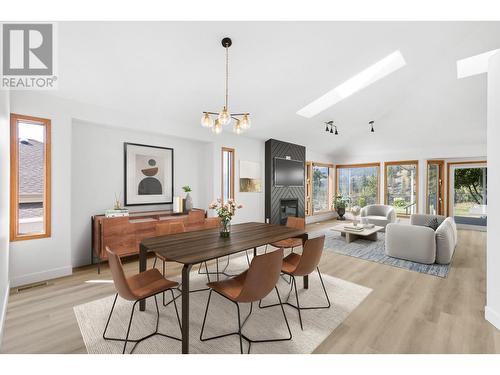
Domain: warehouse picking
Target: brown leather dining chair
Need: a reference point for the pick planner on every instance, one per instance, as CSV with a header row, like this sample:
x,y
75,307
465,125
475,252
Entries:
x,y
249,287
291,243
162,229
136,288
295,265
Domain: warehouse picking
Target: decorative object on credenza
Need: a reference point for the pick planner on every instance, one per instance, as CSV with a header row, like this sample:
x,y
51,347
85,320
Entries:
x,y
355,210
250,174
371,126
177,205
330,126
224,117
149,174
116,212
225,211
117,205
339,203
188,201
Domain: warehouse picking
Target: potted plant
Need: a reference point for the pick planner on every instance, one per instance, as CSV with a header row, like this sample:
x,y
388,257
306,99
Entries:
x,y
339,203
225,212
188,200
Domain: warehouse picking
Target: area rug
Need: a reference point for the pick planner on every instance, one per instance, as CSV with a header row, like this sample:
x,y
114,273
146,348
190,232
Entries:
x,y
375,251
263,323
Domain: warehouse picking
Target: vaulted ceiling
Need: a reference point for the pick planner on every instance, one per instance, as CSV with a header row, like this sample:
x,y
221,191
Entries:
x,y
169,72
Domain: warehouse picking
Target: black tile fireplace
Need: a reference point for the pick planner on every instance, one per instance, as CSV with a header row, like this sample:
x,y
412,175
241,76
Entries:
x,y
288,207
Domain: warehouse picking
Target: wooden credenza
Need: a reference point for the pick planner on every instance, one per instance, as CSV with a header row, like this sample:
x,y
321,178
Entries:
x,y
124,234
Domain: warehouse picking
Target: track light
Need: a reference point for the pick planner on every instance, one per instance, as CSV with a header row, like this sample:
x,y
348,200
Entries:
x,y
329,127
371,124
327,130
336,132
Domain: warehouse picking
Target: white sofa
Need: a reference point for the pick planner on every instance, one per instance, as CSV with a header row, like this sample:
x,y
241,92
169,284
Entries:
x,y
419,243
379,214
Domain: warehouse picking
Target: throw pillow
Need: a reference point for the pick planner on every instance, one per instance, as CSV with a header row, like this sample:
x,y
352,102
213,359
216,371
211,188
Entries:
x,y
433,224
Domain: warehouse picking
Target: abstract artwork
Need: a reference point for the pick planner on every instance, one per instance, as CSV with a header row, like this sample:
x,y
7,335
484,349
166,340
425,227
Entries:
x,y
250,177
149,172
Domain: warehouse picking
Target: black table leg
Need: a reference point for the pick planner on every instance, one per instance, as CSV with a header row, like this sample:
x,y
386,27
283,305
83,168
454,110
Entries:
x,y
254,252
142,267
185,308
305,237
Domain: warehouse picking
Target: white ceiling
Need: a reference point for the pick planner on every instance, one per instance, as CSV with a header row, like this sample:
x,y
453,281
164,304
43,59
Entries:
x,y
169,72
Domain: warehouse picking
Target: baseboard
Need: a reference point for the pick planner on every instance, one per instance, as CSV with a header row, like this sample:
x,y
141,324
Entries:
x,y
41,276
3,311
492,316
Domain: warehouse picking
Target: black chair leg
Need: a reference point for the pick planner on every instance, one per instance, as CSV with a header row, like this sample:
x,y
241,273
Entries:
x,y
283,311
239,329
176,311
324,289
298,303
164,275
109,317
128,330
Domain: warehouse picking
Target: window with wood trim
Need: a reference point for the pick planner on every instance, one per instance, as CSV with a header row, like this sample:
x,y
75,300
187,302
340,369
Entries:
x,y
359,183
29,177
319,187
227,173
401,186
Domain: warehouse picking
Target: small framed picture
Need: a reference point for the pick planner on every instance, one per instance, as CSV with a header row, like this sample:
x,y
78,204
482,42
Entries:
x,y
149,174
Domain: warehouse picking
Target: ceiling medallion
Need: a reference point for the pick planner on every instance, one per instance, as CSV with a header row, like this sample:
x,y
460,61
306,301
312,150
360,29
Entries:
x,y
224,117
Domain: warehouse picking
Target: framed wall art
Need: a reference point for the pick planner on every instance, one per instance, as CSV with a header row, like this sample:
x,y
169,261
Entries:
x,y
149,174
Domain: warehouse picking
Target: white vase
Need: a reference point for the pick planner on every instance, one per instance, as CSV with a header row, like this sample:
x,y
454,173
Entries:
x,y
189,202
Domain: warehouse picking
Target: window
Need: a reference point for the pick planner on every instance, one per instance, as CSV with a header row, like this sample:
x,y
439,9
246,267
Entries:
x,y
401,186
30,178
359,182
434,185
227,173
322,187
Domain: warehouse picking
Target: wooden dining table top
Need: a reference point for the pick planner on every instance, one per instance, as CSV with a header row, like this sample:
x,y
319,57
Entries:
x,y
203,245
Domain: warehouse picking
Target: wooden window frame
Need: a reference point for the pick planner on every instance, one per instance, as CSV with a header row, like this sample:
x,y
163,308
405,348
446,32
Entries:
x,y
440,163
231,182
331,173
448,178
14,178
403,162
358,165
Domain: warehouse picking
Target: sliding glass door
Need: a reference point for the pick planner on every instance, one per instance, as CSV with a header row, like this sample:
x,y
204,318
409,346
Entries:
x,y
468,192
435,193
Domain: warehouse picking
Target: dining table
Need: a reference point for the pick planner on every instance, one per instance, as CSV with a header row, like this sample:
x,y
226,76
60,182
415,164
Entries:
x,y
196,247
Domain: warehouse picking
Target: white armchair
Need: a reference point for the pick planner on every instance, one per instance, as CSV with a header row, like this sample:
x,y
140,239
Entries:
x,y
419,243
379,214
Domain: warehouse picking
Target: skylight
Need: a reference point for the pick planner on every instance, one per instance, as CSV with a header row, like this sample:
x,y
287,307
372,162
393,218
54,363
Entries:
x,y
372,74
474,65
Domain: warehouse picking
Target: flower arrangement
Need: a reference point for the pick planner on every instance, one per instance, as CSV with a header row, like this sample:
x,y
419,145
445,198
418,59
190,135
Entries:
x,y
355,210
225,211
187,189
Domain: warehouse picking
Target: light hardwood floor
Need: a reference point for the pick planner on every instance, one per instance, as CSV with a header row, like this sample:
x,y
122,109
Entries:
x,y
407,312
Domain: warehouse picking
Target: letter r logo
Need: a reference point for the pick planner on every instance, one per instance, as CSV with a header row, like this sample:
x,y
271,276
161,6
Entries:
x,y
27,49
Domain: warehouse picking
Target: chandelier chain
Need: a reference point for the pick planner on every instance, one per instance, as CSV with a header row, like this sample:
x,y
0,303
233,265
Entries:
x,y
227,74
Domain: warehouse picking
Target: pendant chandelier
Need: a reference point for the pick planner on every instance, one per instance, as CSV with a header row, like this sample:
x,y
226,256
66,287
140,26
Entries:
x,y
224,117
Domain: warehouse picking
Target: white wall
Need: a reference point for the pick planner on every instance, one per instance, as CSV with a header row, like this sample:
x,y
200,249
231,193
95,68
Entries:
x,y
246,149
97,174
492,309
4,204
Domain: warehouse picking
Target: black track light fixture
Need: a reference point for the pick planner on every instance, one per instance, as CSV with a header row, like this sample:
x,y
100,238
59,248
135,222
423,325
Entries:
x,y
329,128
371,125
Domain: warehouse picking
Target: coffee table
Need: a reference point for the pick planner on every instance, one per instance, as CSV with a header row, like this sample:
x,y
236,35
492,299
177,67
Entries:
x,y
365,234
